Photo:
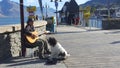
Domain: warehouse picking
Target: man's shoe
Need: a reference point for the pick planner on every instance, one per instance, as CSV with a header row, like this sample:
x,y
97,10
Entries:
x,y
41,57
47,52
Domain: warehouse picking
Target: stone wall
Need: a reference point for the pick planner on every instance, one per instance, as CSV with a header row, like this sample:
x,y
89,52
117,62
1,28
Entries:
x,y
10,41
5,46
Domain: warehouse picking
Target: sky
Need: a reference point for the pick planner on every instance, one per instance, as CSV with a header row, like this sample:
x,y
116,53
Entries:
x,y
50,4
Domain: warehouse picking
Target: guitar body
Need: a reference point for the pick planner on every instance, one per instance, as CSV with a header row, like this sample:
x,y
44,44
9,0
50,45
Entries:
x,y
30,39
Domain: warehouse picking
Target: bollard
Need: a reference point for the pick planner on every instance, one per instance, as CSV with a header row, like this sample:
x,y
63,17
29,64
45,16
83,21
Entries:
x,y
13,28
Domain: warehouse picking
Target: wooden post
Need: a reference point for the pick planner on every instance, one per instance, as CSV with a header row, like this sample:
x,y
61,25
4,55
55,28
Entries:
x,y
23,49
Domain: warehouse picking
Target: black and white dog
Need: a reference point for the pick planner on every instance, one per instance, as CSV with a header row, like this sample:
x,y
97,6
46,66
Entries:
x,y
57,51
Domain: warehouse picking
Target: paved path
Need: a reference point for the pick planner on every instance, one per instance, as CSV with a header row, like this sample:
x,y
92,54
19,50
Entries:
x,y
88,49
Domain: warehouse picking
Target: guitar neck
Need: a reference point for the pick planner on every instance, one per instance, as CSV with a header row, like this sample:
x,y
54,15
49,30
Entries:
x,y
40,34
45,32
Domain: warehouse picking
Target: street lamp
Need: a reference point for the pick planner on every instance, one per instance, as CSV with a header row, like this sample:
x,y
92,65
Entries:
x,y
56,5
46,6
108,7
41,8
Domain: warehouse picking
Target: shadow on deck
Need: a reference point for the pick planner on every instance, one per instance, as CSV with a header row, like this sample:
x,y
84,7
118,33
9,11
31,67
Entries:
x,y
18,61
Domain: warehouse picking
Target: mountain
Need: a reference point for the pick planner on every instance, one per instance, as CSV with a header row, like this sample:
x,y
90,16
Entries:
x,y
12,9
102,3
8,8
50,11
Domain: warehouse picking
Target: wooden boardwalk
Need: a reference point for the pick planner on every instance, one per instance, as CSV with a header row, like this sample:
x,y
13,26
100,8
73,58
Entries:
x,y
88,49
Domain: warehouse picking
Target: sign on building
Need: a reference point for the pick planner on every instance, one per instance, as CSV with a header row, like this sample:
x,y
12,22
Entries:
x,y
118,12
31,10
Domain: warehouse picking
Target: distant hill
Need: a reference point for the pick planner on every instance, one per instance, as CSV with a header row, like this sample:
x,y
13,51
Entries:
x,y
50,11
8,8
102,3
11,9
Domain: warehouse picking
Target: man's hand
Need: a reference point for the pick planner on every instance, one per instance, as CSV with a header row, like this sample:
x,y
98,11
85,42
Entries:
x,y
46,32
33,36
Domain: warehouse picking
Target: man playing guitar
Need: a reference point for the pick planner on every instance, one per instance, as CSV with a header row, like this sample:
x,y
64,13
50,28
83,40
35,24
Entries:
x,y
32,40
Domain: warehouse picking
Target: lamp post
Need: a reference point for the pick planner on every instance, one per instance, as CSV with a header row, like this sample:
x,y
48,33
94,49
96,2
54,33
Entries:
x,y
41,8
46,6
56,5
108,6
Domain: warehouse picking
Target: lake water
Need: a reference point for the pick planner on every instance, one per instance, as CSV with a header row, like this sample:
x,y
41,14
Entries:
x,y
10,20
93,22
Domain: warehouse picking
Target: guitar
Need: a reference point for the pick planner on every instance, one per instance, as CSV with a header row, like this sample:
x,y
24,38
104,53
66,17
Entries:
x,y
32,40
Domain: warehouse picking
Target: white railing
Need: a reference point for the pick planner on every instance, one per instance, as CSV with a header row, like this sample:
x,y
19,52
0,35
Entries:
x,y
95,22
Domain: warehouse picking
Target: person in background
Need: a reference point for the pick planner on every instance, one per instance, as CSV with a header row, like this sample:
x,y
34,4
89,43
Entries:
x,y
36,17
77,20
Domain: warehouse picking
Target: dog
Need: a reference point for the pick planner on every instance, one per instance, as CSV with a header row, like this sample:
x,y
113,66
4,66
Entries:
x,y
57,51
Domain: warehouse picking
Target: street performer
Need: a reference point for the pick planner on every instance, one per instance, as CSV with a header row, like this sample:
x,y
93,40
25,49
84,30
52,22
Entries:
x,y
32,40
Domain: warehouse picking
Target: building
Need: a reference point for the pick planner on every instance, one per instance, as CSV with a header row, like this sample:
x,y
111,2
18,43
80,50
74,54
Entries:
x,y
69,12
105,13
